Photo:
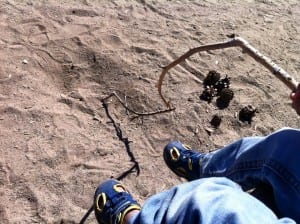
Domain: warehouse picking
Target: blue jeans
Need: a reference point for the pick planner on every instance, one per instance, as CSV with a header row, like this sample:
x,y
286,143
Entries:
x,y
219,196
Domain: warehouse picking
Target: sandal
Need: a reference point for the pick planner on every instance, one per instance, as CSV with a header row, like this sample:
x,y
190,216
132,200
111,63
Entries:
x,y
112,202
183,161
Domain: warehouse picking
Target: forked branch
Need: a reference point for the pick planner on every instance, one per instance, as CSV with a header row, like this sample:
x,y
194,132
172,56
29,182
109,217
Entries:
x,y
131,110
281,74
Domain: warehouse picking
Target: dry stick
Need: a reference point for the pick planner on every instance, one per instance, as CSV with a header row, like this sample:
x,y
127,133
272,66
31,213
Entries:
x,y
86,215
281,74
134,112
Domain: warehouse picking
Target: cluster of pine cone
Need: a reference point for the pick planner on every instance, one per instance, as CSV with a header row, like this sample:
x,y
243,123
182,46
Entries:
x,y
215,86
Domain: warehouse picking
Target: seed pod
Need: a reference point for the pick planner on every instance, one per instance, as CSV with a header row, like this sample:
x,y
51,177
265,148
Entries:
x,y
211,78
247,113
222,84
226,95
208,93
216,121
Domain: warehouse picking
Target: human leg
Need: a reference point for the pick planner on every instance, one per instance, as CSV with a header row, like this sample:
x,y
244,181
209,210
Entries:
x,y
254,160
209,201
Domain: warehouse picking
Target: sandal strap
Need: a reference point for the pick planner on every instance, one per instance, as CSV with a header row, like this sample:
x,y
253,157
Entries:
x,y
112,202
183,161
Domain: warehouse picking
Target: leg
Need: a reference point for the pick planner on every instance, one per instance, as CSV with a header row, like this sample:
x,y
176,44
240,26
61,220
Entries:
x,y
209,201
251,161
264,193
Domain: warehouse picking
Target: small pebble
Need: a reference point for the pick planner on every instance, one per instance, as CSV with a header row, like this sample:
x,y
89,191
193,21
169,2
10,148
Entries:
x,y
209,130
25,62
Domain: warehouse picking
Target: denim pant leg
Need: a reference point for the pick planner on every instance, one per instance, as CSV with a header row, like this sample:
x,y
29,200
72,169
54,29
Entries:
x,y
273,159
211,200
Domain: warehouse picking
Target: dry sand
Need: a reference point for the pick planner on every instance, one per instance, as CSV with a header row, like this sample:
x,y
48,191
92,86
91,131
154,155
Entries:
x,y
60,58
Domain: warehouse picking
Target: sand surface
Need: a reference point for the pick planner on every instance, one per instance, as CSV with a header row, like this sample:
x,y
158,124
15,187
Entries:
x,y
60,59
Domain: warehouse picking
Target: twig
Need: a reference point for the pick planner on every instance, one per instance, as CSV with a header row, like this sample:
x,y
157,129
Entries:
x,y
135,166
131,110
281,74
87,214
122,139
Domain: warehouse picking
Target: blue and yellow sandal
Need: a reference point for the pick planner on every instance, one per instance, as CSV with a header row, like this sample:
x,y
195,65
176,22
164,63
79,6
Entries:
x,y
183,161
112,202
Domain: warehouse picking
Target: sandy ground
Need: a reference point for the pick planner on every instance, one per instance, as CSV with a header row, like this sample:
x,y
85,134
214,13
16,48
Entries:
x,y
59,139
